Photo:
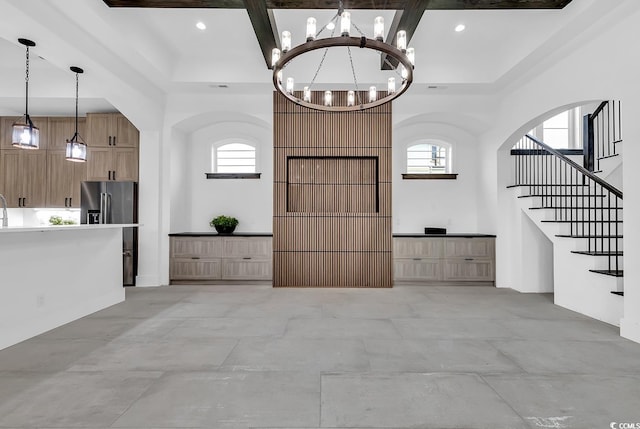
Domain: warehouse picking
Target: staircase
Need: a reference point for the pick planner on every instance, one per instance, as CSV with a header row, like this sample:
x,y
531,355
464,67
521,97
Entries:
x,y
582,215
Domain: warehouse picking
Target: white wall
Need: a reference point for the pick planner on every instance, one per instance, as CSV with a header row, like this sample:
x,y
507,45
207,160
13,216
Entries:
x,y
249,200
574,74
447,204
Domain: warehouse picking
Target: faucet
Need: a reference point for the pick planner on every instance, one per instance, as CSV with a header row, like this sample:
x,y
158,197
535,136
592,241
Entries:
x,y
5,218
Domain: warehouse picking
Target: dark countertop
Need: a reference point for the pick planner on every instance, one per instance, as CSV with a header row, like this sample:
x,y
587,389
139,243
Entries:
x,y
215,234
459,235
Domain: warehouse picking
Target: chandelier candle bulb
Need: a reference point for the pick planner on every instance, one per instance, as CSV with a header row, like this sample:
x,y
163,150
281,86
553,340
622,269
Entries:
x,y
345,23
378,28
373,94
327,98
411,54
279,76
290,85
307,94
275,56
401,40
403,72
351,98
311,29
286,41
331,25
391,85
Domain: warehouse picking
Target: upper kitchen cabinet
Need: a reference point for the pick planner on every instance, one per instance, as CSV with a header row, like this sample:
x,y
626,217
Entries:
x,y
112,164
110,130
64,179
7,128
24,177
62,129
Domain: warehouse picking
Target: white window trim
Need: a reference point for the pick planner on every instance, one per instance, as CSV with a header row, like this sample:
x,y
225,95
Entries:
x,y
241,140
431,141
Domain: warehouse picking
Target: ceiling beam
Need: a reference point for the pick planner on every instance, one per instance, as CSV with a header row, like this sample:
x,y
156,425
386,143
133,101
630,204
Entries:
x,y
497,4
407,20
264,25
348,4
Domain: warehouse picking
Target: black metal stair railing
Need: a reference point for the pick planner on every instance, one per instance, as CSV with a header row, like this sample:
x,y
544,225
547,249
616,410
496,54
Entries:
x,y
591,207
602,132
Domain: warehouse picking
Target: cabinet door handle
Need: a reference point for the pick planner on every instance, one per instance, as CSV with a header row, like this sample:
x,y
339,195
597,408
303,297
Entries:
x,y
246,258
24,201
114,140
195,257
417,259
109,140
114,175
66,202
70,202
468,259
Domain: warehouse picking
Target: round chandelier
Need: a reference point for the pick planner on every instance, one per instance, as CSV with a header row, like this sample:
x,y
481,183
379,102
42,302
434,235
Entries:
x,y
357,98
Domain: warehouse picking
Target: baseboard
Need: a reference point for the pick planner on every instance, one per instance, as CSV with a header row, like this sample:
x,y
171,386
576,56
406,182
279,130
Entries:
x,y
630,329
148,281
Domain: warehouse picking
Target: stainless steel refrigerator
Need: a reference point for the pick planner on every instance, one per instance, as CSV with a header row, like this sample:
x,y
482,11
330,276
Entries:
x,y
114,202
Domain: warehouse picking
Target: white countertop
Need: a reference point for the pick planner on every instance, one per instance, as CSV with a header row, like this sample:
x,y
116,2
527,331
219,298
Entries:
x,y
47,228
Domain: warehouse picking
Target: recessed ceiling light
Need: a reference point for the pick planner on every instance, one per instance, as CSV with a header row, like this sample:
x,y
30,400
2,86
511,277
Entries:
x,y
201,26
460,27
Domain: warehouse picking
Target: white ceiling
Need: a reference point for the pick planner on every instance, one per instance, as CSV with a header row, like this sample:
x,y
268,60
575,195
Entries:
x,y
163,48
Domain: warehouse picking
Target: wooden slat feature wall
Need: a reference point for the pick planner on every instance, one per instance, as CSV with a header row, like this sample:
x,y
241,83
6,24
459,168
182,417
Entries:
x,y
332,196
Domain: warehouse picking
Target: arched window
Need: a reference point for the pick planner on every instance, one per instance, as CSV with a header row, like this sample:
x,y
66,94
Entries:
x,y
234,158
428,158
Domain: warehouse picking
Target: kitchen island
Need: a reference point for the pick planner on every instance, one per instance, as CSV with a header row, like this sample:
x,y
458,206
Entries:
x,y
52,275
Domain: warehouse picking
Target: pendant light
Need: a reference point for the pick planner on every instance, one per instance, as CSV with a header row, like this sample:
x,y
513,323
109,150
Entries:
x,y
25,135
76,148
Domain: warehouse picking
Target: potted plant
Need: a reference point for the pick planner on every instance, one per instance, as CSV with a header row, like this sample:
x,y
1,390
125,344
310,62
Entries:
x,y
224,224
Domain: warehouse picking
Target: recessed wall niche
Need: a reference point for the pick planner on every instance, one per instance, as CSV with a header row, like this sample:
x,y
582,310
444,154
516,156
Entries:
x,y
332,196
324,184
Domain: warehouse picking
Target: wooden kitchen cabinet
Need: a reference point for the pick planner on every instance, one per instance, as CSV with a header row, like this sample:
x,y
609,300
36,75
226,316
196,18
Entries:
x,y
215,259
64,179
463,259
112,164
111,130
24,177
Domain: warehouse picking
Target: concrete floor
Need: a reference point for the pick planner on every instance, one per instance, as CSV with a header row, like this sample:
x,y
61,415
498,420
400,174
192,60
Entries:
x,y
257,357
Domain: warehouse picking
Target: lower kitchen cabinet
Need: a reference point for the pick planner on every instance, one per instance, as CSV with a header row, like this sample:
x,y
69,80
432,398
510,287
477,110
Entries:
x,y
219,259
463,259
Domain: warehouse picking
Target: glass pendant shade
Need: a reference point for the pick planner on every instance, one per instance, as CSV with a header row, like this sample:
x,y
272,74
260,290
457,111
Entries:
x,y
345,23
290,85
378,28
76,150
275,56
391,85
286,41
25,135
311,29
373,94
327,98
411,54
351,98
401,40
306,94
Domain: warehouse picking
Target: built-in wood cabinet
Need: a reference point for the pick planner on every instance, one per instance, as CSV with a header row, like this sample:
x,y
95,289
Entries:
x,y
112,164
113,148
64,179
446,259
44,178
23,177
111,130
212,259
